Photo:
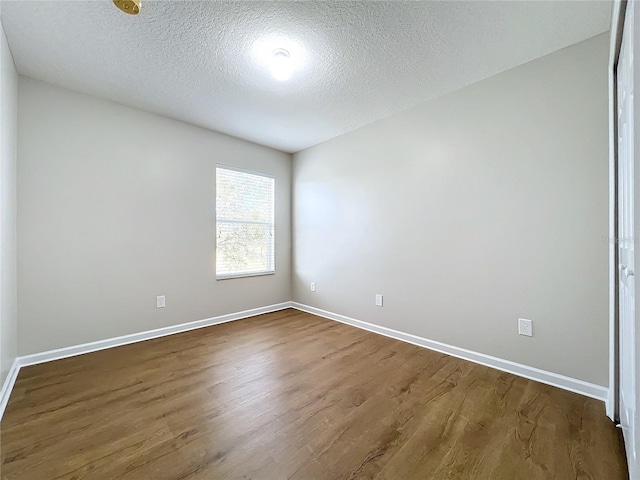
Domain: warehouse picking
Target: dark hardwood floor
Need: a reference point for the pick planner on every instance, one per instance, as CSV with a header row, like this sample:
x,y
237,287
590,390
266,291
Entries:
x,y
289,395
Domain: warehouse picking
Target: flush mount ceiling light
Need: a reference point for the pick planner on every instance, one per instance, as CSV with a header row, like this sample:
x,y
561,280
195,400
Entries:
x,y
281,64
281,56
132,7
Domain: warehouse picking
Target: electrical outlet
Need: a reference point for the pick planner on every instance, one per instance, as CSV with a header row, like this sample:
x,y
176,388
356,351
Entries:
x,y
160,303
378,300
525,327
313,286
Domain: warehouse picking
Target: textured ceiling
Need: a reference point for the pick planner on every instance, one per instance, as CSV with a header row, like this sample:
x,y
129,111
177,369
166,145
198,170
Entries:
x,y
356,61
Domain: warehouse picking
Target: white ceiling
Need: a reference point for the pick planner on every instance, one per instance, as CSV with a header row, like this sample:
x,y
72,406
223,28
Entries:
x,y
360,61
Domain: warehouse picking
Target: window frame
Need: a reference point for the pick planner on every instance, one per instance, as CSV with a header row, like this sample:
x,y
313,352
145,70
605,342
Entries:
x,y
272,244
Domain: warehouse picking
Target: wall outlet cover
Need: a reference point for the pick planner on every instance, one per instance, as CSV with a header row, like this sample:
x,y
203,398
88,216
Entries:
x,y
525,327
160,301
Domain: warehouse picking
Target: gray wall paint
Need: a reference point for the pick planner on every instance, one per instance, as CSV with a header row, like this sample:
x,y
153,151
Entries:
x,y
8,139
117,206
470,211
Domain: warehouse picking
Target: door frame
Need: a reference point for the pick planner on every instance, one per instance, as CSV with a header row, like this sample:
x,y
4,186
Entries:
x,y
613,397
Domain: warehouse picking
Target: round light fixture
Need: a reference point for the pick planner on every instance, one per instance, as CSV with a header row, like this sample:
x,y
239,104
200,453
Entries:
x,y
279,56
132,7
281,64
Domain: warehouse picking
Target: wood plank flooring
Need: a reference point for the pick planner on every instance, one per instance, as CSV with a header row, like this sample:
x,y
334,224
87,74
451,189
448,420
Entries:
x,y
289,395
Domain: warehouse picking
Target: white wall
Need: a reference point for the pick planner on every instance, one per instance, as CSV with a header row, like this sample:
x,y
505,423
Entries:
x,y
117,206
8,137
470,211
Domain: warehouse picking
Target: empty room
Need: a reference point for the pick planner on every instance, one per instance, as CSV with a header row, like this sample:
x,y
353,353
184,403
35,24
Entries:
x,y
318,240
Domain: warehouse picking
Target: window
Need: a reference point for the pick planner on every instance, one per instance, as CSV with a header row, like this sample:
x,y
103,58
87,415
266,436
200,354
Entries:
x,y
245,230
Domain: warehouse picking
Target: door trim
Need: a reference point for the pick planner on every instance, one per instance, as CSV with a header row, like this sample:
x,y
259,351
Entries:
x,y
617,23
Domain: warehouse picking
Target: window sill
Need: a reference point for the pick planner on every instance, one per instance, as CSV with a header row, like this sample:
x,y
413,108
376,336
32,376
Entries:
x,y
243,275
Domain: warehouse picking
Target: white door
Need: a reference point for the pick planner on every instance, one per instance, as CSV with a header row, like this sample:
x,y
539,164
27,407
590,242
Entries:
x,y
627,330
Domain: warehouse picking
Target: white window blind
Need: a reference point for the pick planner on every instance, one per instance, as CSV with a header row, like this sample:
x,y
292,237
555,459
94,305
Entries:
x,y
245,230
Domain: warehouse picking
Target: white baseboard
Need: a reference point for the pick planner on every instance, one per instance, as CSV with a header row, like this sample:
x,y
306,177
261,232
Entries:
x,y
556,380
65,352
549,378
8,384
72,351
